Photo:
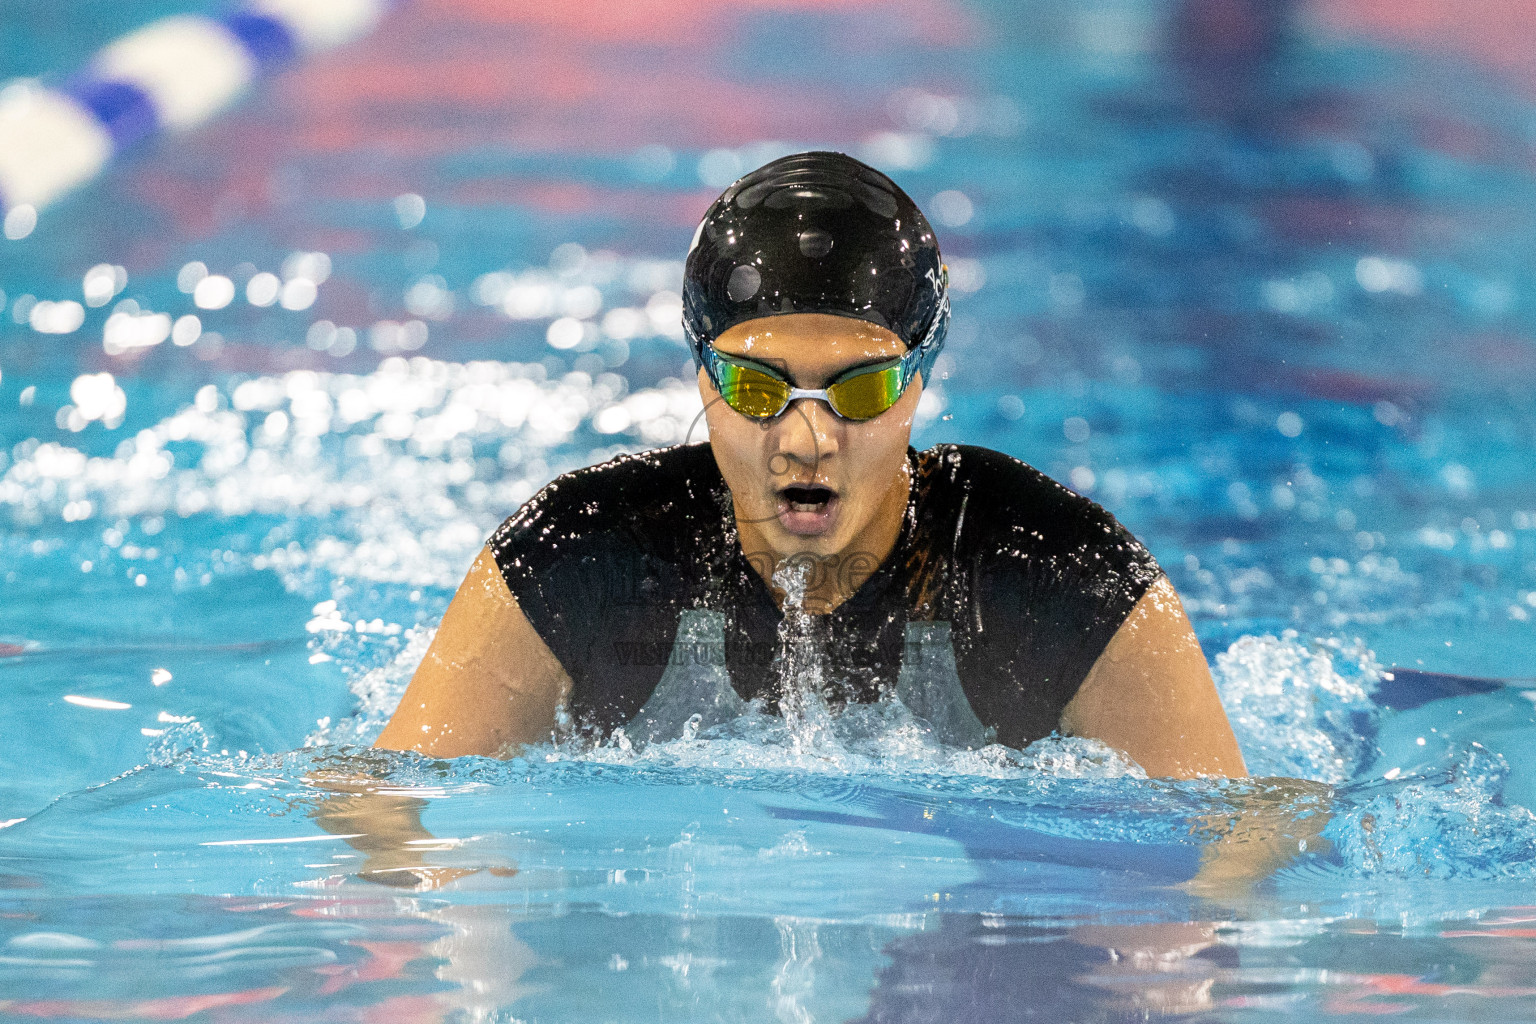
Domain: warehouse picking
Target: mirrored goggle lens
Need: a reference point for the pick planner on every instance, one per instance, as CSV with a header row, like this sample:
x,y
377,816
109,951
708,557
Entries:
x,y
752,392
864,396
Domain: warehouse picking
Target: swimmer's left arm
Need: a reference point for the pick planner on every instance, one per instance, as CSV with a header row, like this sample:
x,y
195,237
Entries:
x,y
1151,695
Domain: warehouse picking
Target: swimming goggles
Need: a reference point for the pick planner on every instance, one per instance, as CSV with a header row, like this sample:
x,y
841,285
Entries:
x,y
762,393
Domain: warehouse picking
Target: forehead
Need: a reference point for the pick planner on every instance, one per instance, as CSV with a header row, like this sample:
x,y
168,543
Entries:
x,y
810,340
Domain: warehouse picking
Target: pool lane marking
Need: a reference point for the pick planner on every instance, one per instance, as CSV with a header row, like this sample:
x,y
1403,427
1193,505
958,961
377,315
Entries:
x,y
274,842
168,76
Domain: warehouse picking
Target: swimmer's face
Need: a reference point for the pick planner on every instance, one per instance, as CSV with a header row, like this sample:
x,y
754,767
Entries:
x,y
808,481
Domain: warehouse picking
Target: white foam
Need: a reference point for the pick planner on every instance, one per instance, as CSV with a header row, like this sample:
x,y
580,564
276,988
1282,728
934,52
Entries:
x,y
877,738
1450,821
1295,707
378,694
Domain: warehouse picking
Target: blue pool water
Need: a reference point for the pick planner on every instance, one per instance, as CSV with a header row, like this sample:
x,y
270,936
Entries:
x,y
1262,290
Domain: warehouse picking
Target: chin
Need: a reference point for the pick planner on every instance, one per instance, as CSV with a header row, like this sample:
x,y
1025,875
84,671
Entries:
x,y
819,545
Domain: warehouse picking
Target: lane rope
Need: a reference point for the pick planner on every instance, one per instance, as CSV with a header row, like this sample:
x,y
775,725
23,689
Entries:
x,y
169,76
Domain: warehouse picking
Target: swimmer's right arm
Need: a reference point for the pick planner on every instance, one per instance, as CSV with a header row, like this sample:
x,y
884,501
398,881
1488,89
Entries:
x,y
488,683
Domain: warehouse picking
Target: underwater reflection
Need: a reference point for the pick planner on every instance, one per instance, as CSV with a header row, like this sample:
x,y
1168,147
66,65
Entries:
x,y
982,967
986,967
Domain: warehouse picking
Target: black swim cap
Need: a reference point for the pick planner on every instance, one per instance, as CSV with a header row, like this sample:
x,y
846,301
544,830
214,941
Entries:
x,y
817,233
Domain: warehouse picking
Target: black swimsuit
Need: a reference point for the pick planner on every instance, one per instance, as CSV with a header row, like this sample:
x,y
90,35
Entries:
x,y
617,565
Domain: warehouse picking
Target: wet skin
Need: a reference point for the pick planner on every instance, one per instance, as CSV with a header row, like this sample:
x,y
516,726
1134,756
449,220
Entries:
x,y
859,467
489,684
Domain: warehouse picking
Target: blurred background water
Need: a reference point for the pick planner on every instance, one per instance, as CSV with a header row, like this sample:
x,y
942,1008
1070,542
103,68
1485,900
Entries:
x,y
1254,274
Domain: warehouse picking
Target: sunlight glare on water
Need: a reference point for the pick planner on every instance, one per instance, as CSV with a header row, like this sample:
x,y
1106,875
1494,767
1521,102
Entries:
x,y
266,388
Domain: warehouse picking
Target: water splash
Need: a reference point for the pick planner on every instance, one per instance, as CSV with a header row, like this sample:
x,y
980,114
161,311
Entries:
x,y
1300,710
378,693
801,664
1449,821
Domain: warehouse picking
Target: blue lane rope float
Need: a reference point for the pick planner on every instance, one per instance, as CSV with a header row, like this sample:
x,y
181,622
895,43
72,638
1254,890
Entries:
x,y
169,76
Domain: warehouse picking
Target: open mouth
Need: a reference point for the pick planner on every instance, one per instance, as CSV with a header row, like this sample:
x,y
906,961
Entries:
x,y
807,498
808,510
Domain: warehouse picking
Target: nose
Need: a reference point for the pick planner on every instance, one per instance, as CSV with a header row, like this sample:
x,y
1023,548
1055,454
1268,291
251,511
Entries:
x,y
805,435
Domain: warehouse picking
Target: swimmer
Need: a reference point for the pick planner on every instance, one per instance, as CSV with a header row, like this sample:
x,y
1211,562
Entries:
x,y
1000,603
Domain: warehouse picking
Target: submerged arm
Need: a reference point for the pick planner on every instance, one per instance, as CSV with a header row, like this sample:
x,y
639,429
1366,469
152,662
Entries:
x,y
1151,695
1269,824
488,685
385,827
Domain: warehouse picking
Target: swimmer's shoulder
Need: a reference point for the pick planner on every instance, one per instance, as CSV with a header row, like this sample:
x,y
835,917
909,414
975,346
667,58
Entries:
x,y
1006,506
640,499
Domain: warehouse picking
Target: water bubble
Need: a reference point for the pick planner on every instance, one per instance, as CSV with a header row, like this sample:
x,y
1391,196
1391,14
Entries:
x,y
298,294
213,292
665,311
428,296
1152,216
1458,479
897,151
126,332
308,266
1378,274
389,336
186,330
581,302
565,333
102,282
320,336
925,112
189,275
410,210
56,317
21,309
952,208
97,397
719,167
652,163
625,322
19,221
966,275
262,289
568,259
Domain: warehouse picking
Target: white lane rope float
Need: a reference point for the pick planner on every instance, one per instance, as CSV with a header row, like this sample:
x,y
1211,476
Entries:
x,y
169,76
